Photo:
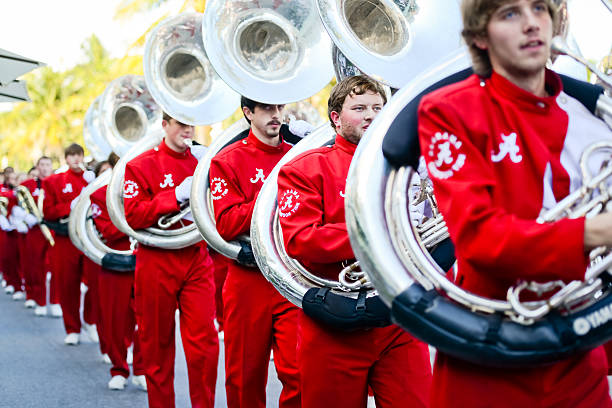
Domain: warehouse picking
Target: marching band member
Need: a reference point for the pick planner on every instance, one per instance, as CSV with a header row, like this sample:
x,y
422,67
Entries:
x,y
36,246
10,254
258,319
115,289
338,366
156,183
500,147
67,261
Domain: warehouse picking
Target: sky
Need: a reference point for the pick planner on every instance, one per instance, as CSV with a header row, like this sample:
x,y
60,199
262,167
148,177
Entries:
x,y
52,31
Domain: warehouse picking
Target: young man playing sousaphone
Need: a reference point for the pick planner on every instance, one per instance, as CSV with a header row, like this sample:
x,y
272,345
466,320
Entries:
x,y
156,183
68,264
501,146
336,366
116,288
258,319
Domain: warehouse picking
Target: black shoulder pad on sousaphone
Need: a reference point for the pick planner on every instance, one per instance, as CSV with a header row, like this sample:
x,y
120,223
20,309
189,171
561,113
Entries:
x,y
491,339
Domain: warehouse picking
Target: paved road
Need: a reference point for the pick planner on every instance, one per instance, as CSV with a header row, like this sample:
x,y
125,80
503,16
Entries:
x,y
38,370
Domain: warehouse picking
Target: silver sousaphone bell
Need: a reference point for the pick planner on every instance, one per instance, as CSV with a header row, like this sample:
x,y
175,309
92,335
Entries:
x,y
180,76
128,113
97,145
272,51
391,40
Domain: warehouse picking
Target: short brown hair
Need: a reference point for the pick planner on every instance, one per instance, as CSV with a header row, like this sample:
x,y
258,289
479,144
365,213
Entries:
x,y
74,148
113,158
476,15
354,85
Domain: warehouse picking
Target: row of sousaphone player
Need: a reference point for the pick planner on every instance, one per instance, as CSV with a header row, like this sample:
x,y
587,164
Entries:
x,y
276,55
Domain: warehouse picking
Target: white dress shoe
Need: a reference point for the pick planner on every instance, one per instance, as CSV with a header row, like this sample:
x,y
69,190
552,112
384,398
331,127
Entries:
x,y
72,339
19,295
40,311
9,290
30,304
106,359
55,310
92,332
117,382
140,382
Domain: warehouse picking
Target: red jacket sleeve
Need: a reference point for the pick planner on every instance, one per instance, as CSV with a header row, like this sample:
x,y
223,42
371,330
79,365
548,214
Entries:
x,y
104,225
486,236
53,207
142,207
306,235
233,210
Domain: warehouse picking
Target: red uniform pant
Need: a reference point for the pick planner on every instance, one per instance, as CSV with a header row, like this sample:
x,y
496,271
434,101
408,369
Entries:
x,y
337,367
53,289
22,256
258,319
67,264
165,280
35,273
117,321
10,257
578,382
221,264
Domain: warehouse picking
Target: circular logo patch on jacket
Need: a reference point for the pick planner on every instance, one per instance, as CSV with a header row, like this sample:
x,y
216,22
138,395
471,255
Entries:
x,y
445,157
218,188
130,189
289,203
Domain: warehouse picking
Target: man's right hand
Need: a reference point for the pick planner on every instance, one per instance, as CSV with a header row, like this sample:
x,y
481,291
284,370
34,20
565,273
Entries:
x,y
598,231
183,190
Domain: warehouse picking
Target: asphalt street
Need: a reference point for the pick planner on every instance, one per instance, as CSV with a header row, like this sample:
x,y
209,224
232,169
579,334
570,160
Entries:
x,y
38,370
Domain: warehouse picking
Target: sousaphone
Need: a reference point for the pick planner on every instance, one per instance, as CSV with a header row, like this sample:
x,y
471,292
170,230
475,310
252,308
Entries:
x,y
290,278
273,51
392,40
504,333
94,140
270,51
82,229
118,120
180,76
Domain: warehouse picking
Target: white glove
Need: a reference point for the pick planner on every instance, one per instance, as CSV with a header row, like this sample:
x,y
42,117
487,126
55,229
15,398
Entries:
x,y
300,128
89,176
5,225
18,213
198,151
183,190
21,227
31,220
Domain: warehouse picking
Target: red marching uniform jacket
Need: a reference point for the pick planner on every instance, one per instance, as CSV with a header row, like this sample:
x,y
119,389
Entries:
x,y
316,235
60,189
34,185
497,156
10,194
150,180
236,176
